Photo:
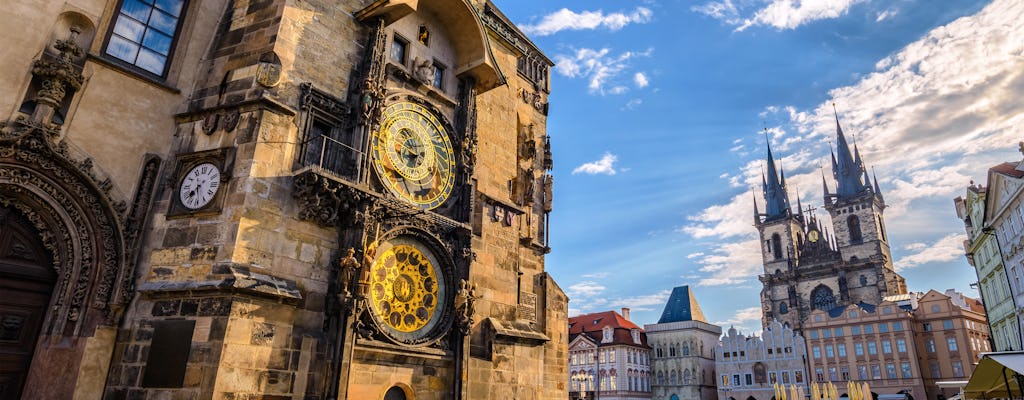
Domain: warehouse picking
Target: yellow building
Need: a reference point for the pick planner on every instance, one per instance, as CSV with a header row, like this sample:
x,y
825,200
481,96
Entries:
x,y
275,199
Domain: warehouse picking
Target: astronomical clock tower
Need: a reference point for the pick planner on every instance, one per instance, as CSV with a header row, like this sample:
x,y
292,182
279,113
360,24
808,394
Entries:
x,y
812,265
270,199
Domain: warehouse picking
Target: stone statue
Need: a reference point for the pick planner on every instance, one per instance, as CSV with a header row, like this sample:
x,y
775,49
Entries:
x,y
365,270
347,268
422,70
465,304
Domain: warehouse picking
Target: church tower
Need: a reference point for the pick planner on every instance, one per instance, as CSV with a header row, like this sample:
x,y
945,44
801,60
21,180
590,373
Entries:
x,y
810,264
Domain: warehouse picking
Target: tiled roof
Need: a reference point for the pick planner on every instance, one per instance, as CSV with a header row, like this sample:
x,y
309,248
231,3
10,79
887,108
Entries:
x,y
592,324
1008,169
682,306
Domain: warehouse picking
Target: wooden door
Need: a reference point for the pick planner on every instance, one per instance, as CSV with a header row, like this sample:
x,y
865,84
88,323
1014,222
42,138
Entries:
x,y
26,280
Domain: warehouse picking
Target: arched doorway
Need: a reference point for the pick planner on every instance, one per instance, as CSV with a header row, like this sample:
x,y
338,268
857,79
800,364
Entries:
x,y
26,279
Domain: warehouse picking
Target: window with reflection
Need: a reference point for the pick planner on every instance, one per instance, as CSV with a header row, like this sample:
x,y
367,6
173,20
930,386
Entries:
x,y
144,32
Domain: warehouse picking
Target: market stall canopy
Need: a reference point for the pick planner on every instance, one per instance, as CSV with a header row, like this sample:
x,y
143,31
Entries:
x,y
998,375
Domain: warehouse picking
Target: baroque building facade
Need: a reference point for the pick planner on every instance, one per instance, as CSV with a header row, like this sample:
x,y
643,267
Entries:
x,y
810,266
227,199
683,345
982,252
749,367
609,357
995,228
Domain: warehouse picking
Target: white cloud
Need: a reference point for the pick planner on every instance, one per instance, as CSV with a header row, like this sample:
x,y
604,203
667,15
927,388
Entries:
x,y
946,249
779,14
595,275
566,19
743,317
931,116
640,80
884,15
606,166
633,104
694,255
585,289
599,67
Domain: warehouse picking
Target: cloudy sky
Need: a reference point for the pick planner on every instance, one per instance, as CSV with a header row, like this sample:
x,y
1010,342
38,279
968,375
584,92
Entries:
x,y
657,117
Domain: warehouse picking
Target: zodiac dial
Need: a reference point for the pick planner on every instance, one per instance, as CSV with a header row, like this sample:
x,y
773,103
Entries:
x,y
407,288
413,156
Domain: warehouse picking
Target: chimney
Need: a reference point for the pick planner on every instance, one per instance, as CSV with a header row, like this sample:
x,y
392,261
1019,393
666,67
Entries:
x,y
625,313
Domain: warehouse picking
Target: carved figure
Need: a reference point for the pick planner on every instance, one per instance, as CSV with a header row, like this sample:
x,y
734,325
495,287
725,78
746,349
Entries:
x,y
465,304
364,273
347,270
422,70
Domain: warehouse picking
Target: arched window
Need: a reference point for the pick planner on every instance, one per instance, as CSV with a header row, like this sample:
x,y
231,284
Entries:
x,y
661,378
853,224
863,280
673,378
686,377
395,393
783,308
822,298
686,349
759,373
777,246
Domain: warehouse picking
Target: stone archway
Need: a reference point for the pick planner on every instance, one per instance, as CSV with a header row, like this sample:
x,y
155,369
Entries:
x,y
27,280
83,234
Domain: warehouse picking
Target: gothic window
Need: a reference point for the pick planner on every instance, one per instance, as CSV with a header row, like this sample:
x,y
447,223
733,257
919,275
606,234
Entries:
x,y
783,308
822,298
759,373
395,393
143,34
777,246
863,280
686,377
398,50
853,224
686,349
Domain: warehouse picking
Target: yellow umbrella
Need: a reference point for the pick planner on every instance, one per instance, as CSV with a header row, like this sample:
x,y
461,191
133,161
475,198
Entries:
x,y
814,391
782,393
794,393
832,393
866,392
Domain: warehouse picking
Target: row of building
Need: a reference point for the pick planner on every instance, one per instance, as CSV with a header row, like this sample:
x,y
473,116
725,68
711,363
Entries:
x,y
902,346
834,308
993,216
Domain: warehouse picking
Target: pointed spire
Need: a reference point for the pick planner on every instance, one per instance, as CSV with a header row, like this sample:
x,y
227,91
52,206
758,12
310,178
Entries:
x,y
877,190
799,207
757,214
847,171
776,200
824,184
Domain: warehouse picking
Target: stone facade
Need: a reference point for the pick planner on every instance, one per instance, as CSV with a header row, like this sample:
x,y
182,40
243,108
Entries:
x,y
809,265
280,112
750,366
983,254
683,343
953,333
609,357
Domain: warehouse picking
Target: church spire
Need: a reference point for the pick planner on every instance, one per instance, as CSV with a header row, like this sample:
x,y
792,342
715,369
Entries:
x,y
878,192
757,213
846,169
824,184
776,199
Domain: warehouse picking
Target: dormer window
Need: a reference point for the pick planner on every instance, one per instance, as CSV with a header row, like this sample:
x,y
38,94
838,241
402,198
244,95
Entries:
x,y
607,334
636,335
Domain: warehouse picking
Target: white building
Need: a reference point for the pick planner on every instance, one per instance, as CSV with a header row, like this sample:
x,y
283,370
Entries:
x,y
683,344
609,358
748,367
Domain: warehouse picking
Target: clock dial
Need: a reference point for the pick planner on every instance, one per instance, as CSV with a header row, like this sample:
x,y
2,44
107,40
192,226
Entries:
x,y
812,236
407,288
413,156
199,186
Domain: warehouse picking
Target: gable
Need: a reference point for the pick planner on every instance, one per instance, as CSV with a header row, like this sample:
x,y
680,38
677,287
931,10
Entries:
x,y
1002,189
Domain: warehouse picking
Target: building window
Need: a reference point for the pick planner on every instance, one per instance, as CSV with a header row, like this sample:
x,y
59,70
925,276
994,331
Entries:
x,y
773,378
822,298
439,76
736,379
947,324
398,50
826,333
862,372
883,327
798,376
934,367
951,343
833,374
890,370
819,374
901,345
844,373
930,344
869,328
863,280
838,331
814,333
855,330
872,348
853,224
936,308
841,349
829,351
749,379
876,372
897,326
783,308
785,377
725,380
886,347
858,349
777,246
958,369
144,33
168,354
905,370
816,351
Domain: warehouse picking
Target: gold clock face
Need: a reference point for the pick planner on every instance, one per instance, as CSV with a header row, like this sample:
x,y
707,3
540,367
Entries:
x,y
413,156
812,236
406,287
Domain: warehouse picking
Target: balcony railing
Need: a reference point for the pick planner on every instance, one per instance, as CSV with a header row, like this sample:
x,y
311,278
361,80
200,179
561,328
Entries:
x,y
333,156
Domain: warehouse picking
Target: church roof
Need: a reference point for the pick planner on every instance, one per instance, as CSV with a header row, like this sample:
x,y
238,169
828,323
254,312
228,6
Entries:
x,y
682,306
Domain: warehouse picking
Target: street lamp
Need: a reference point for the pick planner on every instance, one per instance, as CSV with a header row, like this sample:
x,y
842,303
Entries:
x,y
583,381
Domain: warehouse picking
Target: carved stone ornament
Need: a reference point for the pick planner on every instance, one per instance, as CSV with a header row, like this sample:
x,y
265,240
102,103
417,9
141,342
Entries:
x,y
231,120
268,74
371,91
329,202
210,123
59,73
79,224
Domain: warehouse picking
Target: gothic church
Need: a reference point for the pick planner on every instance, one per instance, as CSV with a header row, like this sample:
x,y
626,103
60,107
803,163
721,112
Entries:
x,y
809,265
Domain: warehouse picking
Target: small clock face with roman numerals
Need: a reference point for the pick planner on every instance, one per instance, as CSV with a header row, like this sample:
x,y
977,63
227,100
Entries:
x,y
199,186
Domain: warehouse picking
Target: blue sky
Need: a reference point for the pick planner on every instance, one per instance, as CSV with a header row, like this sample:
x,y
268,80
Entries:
x,y
657,115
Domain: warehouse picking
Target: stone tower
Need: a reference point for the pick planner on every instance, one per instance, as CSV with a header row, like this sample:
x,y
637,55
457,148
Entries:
x,y
321,199
809,265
